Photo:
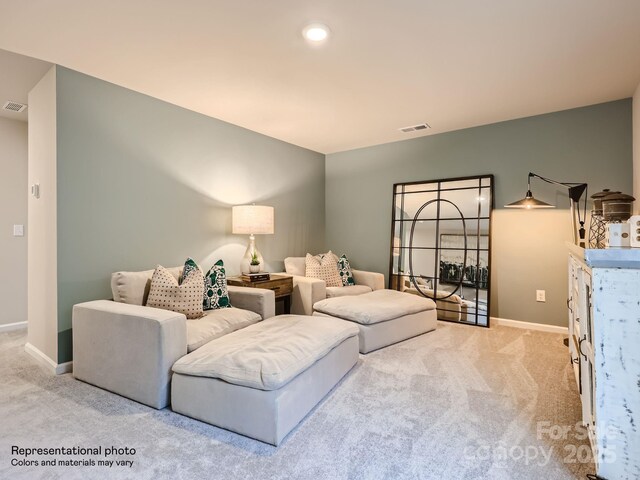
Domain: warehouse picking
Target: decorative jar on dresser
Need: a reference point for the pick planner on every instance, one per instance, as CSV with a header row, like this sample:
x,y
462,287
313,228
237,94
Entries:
x,y
604,344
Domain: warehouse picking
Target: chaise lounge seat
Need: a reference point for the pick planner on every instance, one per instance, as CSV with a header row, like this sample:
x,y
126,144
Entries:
x,y
383,316
261,381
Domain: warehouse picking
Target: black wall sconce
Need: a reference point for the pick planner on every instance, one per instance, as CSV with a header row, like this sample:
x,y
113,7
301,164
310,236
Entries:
x,y
576,190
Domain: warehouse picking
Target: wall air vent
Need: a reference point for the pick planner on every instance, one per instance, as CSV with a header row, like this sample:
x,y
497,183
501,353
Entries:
x,y
14,106
415,128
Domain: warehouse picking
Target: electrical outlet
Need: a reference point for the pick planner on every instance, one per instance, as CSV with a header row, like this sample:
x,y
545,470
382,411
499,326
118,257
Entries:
x,y
18,230
540,296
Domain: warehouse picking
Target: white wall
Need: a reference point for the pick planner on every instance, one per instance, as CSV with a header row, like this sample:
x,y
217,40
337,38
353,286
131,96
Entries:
x,y
42,297
636,148
13,210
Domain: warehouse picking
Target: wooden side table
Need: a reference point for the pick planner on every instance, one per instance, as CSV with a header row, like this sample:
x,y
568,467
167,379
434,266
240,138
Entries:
x,y
282,286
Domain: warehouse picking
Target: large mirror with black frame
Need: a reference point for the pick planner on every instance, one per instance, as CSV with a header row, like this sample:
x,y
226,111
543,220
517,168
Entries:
x,y
441,245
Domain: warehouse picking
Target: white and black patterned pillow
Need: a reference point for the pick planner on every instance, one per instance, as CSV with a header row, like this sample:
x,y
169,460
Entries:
x,y
344,269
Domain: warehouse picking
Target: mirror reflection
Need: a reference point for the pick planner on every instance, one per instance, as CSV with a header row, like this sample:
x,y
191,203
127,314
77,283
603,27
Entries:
x,y
441,245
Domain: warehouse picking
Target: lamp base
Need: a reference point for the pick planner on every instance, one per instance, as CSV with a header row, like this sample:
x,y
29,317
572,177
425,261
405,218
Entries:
x,y
245,263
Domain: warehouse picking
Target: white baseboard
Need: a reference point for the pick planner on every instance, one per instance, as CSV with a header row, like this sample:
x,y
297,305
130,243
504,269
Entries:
x,y
541,327
9,327
53,367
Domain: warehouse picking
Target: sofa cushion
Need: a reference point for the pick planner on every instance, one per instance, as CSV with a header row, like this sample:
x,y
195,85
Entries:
x,y
345,291
375,307
269,354
167,294
294,266
217,323
133,287
344,269
324,267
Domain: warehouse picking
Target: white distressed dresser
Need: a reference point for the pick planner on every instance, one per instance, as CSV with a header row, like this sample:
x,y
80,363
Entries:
x,y
604,344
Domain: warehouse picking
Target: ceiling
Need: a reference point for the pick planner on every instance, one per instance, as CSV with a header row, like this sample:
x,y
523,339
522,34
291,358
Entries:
x,y
453,64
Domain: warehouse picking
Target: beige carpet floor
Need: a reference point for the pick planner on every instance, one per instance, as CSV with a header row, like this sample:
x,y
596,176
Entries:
x,y
458,403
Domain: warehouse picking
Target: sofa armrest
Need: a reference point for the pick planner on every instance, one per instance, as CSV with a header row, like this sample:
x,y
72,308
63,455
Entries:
x,y
258,300
128,349
306,292
373,280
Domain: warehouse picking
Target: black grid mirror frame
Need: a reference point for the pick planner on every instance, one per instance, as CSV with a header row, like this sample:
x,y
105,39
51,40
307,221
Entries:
x,y
440,245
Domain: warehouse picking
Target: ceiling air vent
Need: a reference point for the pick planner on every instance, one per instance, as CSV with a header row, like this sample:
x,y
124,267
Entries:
x,y
14,107
415,128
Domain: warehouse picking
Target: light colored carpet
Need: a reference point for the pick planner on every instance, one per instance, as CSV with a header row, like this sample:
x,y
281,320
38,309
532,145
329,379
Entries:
x,y
458,403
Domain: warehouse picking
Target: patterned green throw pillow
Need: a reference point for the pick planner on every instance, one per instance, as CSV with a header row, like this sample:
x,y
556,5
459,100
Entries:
x,y
216,294
189,266
345,271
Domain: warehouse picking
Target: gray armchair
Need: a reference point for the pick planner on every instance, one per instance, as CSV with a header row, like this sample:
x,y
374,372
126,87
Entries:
x,y
307,291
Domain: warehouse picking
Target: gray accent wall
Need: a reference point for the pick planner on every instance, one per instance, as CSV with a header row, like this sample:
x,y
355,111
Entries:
x,y
590,144
142,182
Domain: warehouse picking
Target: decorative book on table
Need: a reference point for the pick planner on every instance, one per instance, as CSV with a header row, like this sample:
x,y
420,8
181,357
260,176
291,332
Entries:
x,y
256,277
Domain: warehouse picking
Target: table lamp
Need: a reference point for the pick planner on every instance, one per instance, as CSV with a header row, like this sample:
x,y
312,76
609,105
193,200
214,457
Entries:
x,y
252,220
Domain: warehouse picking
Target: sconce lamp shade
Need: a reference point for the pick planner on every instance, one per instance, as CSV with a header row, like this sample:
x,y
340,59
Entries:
x,y
252,219
576,190
529,202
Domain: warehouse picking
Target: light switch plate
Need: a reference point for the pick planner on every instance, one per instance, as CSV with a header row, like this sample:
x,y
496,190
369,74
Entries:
x,y
18,230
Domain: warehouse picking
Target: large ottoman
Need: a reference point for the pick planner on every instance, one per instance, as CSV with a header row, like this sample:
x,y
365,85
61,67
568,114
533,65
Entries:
x,y
261,381
383,317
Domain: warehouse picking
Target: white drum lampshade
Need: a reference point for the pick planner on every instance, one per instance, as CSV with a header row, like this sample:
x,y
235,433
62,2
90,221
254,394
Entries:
x,y
252,220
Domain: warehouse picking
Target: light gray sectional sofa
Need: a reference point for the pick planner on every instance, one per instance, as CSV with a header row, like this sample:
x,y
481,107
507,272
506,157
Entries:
x,y
229,368
238,368
129,349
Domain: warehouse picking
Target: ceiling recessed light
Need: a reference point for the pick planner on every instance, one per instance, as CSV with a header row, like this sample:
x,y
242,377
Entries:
x,y
315,32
